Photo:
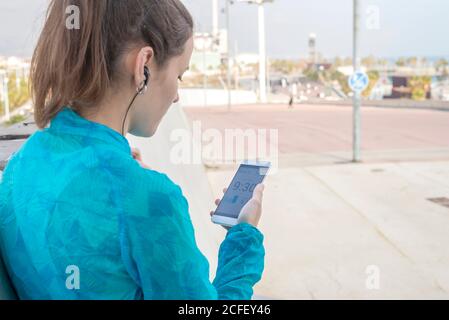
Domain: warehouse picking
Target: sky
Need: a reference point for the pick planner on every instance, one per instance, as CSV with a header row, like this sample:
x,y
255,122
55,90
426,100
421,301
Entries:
x,y
389,28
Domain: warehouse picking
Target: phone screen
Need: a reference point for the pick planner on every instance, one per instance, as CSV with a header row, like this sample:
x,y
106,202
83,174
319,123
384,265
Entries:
x,y
241,189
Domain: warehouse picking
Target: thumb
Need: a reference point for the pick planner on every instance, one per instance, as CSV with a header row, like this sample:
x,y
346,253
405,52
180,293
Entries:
x,y
258,192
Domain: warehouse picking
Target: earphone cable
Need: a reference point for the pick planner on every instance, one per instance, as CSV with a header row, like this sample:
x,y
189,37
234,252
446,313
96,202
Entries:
x,y
127,111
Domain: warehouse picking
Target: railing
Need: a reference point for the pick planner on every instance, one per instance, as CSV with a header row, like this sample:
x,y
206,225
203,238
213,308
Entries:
x,y
12,138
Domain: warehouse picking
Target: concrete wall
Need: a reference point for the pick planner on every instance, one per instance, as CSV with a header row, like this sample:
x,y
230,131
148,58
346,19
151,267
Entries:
x,y
214,97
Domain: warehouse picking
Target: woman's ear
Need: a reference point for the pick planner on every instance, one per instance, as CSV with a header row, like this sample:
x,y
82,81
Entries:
x,y
144,58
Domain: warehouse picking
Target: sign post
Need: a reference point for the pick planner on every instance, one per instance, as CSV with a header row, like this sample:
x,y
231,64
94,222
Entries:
x,y
357,82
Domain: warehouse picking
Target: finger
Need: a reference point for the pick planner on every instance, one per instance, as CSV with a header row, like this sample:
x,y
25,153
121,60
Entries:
x,y
225,189
260,187
258,192
136,154
211,213
217,202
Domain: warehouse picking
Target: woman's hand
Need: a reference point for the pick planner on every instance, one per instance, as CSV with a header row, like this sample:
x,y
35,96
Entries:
x,y
217,202
252,211
137,155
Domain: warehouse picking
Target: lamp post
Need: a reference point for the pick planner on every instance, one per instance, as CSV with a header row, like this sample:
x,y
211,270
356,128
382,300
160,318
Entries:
x,y
228,55
205,70
215,18
262,48
262,55
4,76
204,45
357,94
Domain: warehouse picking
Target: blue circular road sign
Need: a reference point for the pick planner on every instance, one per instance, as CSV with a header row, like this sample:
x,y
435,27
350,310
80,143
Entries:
x,y
358,81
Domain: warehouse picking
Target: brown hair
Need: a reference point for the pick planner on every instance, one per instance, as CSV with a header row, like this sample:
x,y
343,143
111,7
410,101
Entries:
x,y
76,66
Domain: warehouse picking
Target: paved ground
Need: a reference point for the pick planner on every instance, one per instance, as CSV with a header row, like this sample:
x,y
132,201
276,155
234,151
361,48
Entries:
x,y
331,226
325,225
324,133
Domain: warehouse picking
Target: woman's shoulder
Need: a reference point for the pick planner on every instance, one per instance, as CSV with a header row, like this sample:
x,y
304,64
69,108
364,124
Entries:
x,y
151,193
66,158
140,179
146,192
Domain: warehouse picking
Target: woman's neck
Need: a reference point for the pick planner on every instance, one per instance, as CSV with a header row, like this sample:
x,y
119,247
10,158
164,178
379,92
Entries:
x,y
110,112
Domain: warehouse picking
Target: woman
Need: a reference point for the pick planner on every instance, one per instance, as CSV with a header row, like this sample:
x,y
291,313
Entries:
x,y
80,218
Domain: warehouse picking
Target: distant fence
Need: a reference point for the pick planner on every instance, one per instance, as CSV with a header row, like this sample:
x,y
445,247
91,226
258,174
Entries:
x,y
387,103
215,97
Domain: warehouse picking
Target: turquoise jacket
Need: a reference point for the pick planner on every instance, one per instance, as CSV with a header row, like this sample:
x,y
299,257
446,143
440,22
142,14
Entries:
x,y
81,219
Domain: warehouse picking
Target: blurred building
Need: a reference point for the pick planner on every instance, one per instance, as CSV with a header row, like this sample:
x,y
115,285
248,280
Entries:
x,y
209,52
406,80
312,49
315,59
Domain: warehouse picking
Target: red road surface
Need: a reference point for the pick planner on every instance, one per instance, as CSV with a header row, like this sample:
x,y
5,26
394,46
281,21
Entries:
x,y
317,129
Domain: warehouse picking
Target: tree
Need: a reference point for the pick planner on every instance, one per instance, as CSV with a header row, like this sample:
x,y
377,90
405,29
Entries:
x,y
419,87
347,61
412,61
284,66
338,62
373,79
441,64
401,62
369,61
17,95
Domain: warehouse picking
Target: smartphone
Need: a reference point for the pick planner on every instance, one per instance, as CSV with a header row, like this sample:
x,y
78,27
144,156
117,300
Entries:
x,y
240,191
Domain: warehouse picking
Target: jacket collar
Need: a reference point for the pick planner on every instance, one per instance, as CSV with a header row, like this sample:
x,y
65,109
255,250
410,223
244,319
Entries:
x,y
70,122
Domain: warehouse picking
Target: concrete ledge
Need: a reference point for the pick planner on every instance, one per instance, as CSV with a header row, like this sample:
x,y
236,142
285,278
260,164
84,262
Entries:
x,y
12,138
